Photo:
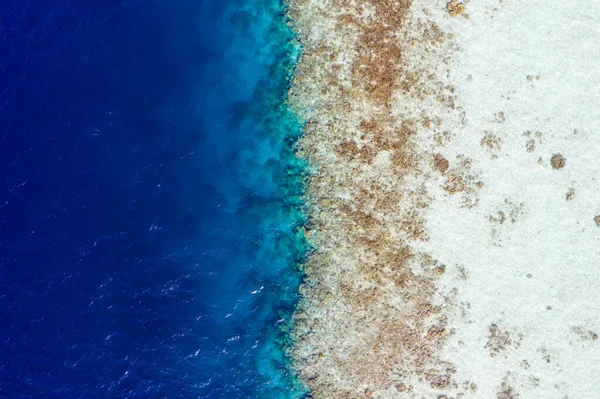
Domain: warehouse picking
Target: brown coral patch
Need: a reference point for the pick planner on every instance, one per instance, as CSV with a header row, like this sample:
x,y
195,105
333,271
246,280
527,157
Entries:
x,y
455,8
351,151
558,161
441,163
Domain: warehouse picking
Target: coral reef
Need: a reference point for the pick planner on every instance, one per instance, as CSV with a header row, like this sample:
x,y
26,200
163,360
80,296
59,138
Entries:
x,y
370,320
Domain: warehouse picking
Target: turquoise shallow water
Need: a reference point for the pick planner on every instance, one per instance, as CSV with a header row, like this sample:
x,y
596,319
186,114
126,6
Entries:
x,y
150,201
266,178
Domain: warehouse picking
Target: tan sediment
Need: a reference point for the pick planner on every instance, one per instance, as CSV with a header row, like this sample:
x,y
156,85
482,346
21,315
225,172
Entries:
x,y
370,85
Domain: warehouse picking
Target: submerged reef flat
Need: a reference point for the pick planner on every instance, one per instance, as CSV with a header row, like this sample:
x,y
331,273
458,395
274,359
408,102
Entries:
x,y
370,83
452,199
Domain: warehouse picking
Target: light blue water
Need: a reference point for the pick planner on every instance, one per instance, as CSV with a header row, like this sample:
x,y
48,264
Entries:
x,y
261,196
150,199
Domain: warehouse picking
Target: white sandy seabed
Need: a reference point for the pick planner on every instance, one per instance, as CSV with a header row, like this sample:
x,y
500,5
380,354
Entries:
x,y
523,265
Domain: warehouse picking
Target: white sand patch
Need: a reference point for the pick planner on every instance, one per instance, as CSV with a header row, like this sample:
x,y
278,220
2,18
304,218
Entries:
x,y
527,76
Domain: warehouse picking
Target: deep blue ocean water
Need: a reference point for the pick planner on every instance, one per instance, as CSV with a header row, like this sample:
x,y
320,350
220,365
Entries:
x,y
149,199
